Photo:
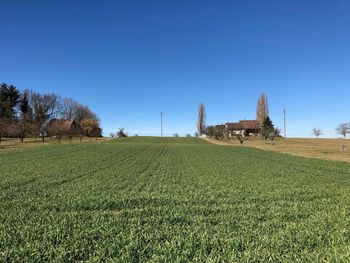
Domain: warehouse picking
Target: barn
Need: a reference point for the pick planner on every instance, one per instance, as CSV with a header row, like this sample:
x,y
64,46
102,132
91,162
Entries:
x,y
62,128
247,127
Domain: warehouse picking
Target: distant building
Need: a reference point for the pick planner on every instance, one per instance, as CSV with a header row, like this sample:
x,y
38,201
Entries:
x,y
243,127
60,127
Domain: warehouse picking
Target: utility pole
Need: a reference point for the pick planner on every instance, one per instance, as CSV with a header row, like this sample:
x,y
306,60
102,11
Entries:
x,y
161,124
284,122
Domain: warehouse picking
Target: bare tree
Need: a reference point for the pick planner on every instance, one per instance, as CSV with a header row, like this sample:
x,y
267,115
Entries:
x,y
201,119
343,129
69,109
12,129
45,107
276,133
316,132
262,109
82,112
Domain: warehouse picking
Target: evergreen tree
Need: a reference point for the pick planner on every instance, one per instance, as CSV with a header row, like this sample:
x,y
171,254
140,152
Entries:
x,y
9,98
26,114
267,128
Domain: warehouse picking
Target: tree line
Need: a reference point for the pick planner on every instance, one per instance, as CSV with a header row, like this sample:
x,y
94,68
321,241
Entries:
x,y
30,114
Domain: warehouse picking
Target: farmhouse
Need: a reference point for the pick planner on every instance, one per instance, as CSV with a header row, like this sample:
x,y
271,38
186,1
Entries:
x,y
60,127
247,127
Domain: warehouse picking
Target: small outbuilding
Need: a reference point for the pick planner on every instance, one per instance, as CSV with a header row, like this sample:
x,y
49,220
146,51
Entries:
x,y
61,128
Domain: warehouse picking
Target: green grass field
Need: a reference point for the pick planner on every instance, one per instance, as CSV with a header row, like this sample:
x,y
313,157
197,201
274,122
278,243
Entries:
x,y
176,200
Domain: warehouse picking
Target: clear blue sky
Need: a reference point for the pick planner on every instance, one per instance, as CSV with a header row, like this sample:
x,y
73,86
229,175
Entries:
x,y
129,60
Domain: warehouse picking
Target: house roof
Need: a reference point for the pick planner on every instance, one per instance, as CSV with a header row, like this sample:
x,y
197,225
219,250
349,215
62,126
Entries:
x,y
64,125
233,125
250,124
243,124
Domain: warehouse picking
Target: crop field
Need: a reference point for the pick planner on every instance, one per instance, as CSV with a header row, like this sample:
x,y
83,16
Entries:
x,y
171,200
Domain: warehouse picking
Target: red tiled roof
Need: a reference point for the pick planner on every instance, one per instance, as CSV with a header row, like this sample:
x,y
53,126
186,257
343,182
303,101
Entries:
x,y
250,124
233,125
63,125
243,124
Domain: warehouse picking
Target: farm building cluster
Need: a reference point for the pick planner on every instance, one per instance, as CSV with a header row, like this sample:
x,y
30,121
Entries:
x,y
233,129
